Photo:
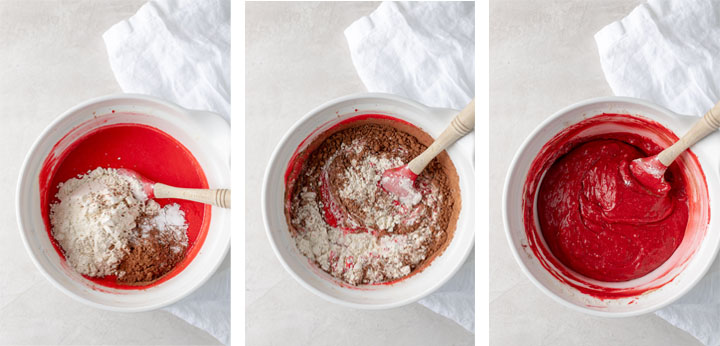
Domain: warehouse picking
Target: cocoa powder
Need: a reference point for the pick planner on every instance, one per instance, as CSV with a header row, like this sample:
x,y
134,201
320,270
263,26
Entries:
x,y
149,258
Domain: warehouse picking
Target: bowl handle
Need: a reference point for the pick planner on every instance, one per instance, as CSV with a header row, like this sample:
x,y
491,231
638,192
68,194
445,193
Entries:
x,y
217,131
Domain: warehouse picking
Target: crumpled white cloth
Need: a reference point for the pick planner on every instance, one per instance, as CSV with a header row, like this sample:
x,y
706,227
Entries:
x,y
424,51
668,52
179,50
208,308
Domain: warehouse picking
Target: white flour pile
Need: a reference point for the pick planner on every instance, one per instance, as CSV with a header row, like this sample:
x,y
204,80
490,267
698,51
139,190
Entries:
x,y
362,185
169,220
98,214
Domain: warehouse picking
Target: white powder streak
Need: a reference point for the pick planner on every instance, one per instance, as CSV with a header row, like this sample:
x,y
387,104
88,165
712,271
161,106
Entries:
x,y
347,255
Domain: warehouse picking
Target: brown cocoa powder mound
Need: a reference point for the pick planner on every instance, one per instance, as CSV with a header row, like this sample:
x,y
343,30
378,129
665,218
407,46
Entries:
x,y
382,136
149,259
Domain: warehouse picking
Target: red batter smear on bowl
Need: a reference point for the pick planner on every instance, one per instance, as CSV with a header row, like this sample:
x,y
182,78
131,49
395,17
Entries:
x,y
594,227
147,150
603,223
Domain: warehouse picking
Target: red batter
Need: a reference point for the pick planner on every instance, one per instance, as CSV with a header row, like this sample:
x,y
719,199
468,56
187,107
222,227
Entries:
x,y
611,252
147,150
600,221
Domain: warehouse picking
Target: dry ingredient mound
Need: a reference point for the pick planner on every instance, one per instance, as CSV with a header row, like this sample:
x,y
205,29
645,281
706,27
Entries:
x,y
106,225
344,221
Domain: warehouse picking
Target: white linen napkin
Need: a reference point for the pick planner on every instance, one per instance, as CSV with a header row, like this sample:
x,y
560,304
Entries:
x,y
179,50
668,52
208,308
424,51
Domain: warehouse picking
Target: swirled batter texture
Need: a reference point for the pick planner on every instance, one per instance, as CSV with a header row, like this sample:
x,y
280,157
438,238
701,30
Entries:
x,y
600,221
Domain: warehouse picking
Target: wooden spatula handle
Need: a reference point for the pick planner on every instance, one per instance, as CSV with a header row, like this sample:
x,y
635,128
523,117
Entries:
x,y
703,127
219,197
462,124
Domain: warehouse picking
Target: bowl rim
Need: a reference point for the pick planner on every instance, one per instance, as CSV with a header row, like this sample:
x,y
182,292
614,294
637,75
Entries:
x,y
506,217
266,221
24,180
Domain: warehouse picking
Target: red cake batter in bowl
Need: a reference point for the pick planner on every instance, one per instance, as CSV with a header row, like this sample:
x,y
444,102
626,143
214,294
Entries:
x,y
159,140
592,236
599,220
146,150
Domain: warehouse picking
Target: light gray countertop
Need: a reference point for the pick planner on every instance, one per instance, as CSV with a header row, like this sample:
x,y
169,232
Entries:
x,y
297,58
53,57
542,58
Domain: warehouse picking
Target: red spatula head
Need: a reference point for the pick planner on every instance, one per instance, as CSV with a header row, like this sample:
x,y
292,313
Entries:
x,y
650,172
400,182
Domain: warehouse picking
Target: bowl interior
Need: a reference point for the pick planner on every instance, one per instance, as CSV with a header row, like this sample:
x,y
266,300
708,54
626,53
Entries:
x,y
174,121
652,291
320,282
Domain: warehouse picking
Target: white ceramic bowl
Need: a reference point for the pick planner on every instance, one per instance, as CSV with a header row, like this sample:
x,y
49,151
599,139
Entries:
x,y
676,277
206,135
432,121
